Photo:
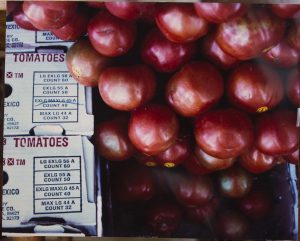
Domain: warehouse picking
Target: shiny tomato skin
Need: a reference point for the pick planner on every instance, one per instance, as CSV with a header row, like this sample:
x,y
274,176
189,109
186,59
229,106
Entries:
x,y
188,91
234,182
225,133
256,162
134,183
163,55
127,10
255,87
193,190
232,225
211,49
220,12
75,28
212,163
49,15
22,20
293,87
85,64
180,23
256,205
112,141
175,154
286,10
110,35
153,128
127,87
277,133
282,55
164,218
247,36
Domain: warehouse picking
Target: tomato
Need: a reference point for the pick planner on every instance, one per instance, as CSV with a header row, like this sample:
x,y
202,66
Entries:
x,y
247,36
112,141
192,190
255,87
22,20
163,55
232,225
85,64
180,23
220,12
212,50
134,183
277,133
225,133
212,163
292,158
188,92
256,162
164,218
75,28
110,35
128,10
234,182
126,88
286,10
49,15
204,213
282,55
153,128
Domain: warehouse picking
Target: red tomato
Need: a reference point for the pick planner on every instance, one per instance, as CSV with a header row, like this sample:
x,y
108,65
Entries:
x,y
134,183
163,55
188,91
234,182
112,140
292,158
282,55
75,28
175,154
286,10
212,163
276,133
164,218
211,49
49,15
153,128
256,205
256,162
224,133
110,35
180,23
22,20
128,10
193,190
204,213
126,88
254,87
85,64
246,37
232,225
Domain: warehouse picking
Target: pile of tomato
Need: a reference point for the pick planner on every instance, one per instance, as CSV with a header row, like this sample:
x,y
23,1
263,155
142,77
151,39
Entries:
x,y
196,100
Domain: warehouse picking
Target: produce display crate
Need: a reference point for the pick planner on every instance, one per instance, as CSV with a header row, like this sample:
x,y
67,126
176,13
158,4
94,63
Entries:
x,y
151,119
